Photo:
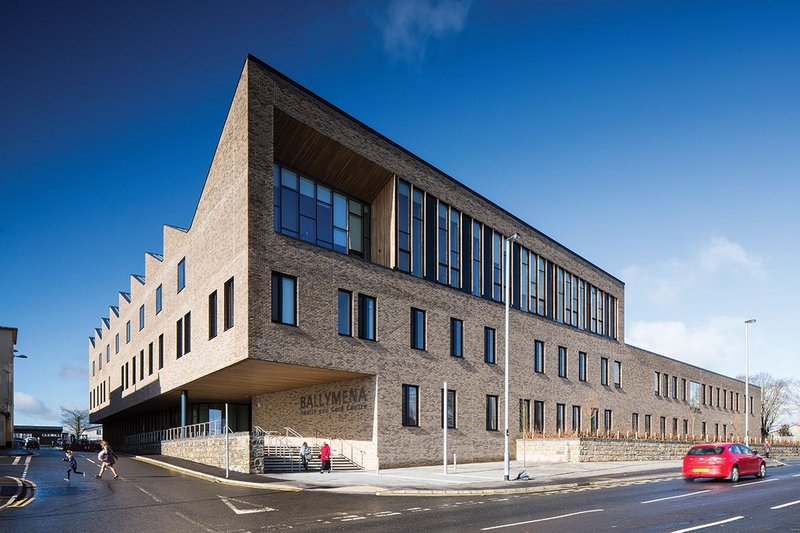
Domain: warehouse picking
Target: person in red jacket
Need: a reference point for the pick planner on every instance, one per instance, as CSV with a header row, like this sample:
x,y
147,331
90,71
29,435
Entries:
x,y
325,458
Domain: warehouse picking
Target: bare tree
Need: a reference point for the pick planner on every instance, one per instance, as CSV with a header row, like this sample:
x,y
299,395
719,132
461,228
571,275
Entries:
x,y
777,400
75,420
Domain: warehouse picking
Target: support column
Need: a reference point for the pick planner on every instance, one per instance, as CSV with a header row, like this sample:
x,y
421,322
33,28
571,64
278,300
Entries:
x,y
184,411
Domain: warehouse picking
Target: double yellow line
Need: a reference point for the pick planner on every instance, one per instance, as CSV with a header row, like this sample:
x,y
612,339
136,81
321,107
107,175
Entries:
x,y
29,487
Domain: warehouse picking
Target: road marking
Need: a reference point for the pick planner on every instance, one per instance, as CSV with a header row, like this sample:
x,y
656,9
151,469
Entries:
x,y
542,519
27,465
198,524
15,496
16,460
695,528
680,496
785,505
382,514
151,495
227,501
757,482
796,475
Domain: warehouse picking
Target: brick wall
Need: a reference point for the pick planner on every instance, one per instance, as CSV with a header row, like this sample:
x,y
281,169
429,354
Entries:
x,y
587,450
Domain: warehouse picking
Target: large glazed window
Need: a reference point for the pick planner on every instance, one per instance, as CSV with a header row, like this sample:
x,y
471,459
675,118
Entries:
x,y
308,210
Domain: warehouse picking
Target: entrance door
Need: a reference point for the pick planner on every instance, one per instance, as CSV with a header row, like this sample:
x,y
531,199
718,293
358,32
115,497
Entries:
x,y
215,421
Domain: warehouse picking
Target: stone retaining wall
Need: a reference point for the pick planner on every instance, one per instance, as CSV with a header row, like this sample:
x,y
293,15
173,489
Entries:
x,y
211,451
587,450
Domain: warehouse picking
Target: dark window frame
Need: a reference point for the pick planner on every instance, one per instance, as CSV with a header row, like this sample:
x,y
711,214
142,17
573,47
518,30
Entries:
x,y
340,293
418,337
456,337
408,419
492,408
489,345
212,315
279,296
228,308
367,314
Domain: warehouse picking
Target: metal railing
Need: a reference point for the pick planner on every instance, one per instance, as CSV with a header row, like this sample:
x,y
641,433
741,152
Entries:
x,y
152,438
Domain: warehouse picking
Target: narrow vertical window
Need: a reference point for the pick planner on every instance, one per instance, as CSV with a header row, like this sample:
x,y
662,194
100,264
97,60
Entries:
x,y
489,345
561,414
284,299
538,356
477,267
525,415
158,299
108,353
442,243
538,416
228,318
594,420
683,389
582,360
403,226
607,422
675,388
618,374
181,274
141,317
635,422
127,332
100,361
179,338
648,424
150,367
417,254
455,248
141,364
417,329
497,267
523,282
187,333
410,405
212,315
161,351
456,337
656,383
576,418
116,344
451,409
491,412
662,425
344,304
604,371
367,317
562,362
133,370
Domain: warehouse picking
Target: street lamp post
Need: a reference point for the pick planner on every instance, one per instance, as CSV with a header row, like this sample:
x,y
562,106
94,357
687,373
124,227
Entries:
x,y
507,301
747,383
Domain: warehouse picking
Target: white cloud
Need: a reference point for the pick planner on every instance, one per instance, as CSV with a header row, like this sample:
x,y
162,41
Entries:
x,y
720,254
717,344
666,282
73,372
30,405
409,24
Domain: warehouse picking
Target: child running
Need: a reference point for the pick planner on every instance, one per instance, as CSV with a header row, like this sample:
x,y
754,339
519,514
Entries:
x,y
73,465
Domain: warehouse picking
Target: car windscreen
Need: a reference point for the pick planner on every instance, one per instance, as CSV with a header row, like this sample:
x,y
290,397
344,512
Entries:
x,y
706,450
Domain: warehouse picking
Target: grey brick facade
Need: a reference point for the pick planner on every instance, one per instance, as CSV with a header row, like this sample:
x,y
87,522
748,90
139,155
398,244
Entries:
x,y
299,376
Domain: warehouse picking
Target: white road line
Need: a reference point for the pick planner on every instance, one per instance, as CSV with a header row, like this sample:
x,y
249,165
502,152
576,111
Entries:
x,y
785,505
27,465
198,524
695,528
674,497
16,460
542,519
236,510
756,482
796,475
151,495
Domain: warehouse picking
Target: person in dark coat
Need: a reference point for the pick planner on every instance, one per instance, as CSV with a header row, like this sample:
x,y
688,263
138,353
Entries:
x,y
107,457
73,465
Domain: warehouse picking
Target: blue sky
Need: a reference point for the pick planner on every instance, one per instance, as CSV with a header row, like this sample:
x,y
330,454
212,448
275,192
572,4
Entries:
x,y
656,139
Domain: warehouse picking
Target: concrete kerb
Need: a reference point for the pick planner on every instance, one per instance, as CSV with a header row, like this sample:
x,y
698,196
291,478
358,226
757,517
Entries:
x,y
216,479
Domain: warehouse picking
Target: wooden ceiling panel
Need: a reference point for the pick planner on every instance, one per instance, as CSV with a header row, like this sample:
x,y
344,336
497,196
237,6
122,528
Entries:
x,y
309,151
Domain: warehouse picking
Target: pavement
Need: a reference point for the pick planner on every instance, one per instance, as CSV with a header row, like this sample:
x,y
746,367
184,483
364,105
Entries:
x,y
466,479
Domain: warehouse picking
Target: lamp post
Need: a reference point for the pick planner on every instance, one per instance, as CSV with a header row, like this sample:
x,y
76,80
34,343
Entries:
x,y
507,301
747,383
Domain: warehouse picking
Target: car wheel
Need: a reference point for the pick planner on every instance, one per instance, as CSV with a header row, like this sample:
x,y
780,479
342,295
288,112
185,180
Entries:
x,y
688,479
762,470
734,477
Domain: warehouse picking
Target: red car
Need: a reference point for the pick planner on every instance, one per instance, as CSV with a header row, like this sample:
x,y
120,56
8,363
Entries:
x,y
728,460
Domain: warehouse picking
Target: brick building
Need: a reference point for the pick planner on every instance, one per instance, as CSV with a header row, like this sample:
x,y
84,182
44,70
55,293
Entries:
x,y
331,281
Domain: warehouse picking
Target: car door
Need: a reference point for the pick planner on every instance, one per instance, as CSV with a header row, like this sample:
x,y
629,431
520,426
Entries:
x,y
752,460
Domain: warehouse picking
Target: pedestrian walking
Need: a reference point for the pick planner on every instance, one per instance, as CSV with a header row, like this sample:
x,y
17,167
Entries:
x,y
305,455
325,458
107,458
767,448
73,465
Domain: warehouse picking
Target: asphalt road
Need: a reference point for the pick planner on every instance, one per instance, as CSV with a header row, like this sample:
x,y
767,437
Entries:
x,y
147,498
